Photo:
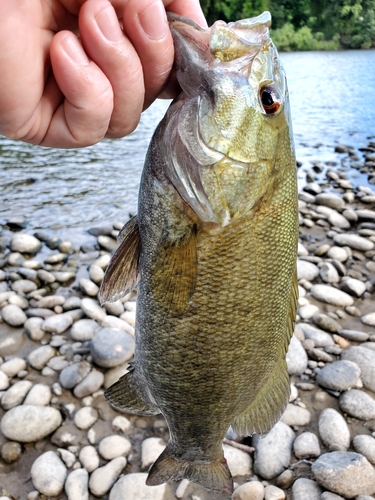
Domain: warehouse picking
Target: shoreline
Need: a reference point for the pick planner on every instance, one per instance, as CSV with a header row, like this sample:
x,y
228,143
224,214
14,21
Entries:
x,y
56,358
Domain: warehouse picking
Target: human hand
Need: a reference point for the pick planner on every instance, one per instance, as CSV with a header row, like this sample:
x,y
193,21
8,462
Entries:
x,y
60,90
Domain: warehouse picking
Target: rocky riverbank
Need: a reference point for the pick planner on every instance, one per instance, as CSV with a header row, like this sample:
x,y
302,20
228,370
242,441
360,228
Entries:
x,y
59,350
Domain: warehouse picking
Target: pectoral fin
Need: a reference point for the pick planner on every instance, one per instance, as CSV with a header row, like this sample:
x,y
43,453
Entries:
x,y
122,274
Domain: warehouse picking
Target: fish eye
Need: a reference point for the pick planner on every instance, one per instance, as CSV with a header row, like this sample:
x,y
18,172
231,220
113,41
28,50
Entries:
x,y
270,99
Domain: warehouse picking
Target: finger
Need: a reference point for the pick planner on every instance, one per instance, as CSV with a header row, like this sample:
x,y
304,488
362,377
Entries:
x,y
186,8
106,43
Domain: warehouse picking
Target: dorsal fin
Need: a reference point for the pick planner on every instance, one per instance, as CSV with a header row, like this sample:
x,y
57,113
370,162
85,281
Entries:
x,y
122,274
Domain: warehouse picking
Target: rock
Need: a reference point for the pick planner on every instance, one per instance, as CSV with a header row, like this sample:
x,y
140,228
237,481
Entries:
x,y
114,308
327,495
88,287
253,490
51,301
353,241
296,357
337,253
63,276
10,452
89,384
58,363
83,330
326,322
306,489
103,478
151,449
72,303
368,319
355,335
48,474
13,366
239,462
354,287
39,395
67,457
365,359
121,424
108,243
328,273
133,487
307,311
365,445
15,394
272,492
19,301
86,417
67,435
320,338
295,415
96,274
273,452
339,376
358,404
89,458
13,315
76,485
28,423
4,381
306,445
40,356
333,430
307,270
56,258
366,214
45,276
33,328
24,286
331,295
93,310
345,473
74,374
57,323
111,347
25,243
334,218
117,323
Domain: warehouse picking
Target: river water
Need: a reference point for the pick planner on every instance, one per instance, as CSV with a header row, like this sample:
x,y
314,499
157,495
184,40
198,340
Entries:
x,y
72,190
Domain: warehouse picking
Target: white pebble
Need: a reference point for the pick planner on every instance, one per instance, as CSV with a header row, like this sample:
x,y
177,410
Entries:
x,y
103,478
114,446
39,395
86,417
48,474
89,458
151,449
76,485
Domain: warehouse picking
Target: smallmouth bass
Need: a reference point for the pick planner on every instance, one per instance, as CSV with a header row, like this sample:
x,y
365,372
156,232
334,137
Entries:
x,y
213,248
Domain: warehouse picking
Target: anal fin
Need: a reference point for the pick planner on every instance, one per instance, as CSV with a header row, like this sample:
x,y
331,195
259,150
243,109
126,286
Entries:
x,y
124,396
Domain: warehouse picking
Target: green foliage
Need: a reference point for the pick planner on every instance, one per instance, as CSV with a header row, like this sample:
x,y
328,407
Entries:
x,y
289,39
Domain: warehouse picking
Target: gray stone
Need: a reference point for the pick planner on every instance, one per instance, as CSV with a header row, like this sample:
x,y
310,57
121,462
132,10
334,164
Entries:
x,y
40,356
51,301
39,395
368,319
19,301
330,200
295,415
56,258
327,495
334,218
355,335
15,394
307,270
13,315
366,214
48,474
114,308
272,492
273,452
74,374
345,473
358,404
151,449
89,384
4,381
252,490
118,324
338,253
353,287
72,303
339,376
86,418
13,366
58,363
296,357
76,485
306,445
320,338
330,295
366,446
84,329
103,478
306,489
239,462
328,273
353,241
63,276
93,310
365,359
33,328
326,322
89,458
333,430
111,347
108,243
24,286
25,243
88,287
116,446
67,457
28,423
133,487
307,311
57,323
45,276
96,274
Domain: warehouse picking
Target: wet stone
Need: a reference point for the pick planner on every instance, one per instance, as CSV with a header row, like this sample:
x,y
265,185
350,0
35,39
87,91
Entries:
x,y
339,376
86,417
72,303
114,308
24,286
89,458
92,309
45,276
354,335
307,270
366,446
328,273
111,347
338,253
96,274
368,319
13,366
4,381
48,474
39,395
320,338
239,462
108,243
88,287
13,315
51,301
33,328
330,200
358,404
333,430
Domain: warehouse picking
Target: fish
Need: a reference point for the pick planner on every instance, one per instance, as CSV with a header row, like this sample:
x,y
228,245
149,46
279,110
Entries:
x,y
213,251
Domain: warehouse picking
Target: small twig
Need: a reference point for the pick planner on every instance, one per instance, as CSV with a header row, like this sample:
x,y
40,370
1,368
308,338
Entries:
x,y
239,446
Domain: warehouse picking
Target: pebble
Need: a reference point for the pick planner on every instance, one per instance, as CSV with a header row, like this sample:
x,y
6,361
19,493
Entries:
x,y
96,274
39,395
339,376
333,430
93,310
273,452
307,270
13,366
72,303
272,492
58,363
33,328
41,421
368,319
115,446
10,452
355,335
48,474
13,315
88,287
252,490
86,417
19,301
358,404
346,473
83,330
23,286
89,384
57,323
296,357
51,301
294,415
45,276
365,359
150,450
4,381
327,495
365,445
40,356
67,457
74,374
15,394
133,487
239,462
121,424
89,458
353,241
25,243
330,295
103,478
76,485
334,218
111,347
320,338
117,323
354,287
114,308
307,311
306,489
306,445
326,322
338,253
328,273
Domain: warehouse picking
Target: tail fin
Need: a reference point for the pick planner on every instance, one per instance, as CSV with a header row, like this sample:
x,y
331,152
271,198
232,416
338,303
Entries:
x,y
212,475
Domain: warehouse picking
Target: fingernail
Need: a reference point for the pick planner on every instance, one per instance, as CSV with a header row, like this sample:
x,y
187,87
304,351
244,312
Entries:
x,y
74,50
109,25
154,20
